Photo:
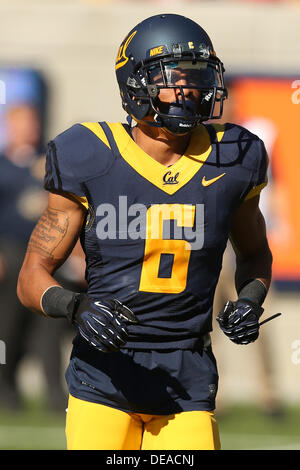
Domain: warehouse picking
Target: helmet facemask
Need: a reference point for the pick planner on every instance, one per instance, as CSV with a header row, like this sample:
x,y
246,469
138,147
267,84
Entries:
x,y
197,83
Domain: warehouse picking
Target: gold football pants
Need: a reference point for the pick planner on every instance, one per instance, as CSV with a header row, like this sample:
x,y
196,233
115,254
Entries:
x,y
91,426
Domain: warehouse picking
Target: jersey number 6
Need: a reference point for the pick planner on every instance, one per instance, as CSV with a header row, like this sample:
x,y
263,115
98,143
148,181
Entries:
x,y
156,244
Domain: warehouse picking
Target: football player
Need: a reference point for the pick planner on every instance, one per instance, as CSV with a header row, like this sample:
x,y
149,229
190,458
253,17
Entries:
x,y
154,204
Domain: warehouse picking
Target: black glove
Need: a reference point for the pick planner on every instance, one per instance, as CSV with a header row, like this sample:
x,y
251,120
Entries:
x,y
239,321
102,324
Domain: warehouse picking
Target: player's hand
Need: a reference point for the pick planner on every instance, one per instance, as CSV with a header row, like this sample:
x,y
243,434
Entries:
x,y
102,324
240,321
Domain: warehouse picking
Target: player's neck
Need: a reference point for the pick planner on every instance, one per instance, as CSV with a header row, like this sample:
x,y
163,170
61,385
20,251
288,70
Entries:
x,y
163,147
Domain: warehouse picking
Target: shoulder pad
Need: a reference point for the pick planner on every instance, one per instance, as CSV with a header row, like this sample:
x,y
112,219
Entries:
x,y
239,145
86,149
236,145
76,155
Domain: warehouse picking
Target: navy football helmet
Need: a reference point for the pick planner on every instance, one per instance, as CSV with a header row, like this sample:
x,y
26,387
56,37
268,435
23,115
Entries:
x,y
170,51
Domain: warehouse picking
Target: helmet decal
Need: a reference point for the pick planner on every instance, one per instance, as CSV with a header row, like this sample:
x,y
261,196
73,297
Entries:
x,y
122,59
157,51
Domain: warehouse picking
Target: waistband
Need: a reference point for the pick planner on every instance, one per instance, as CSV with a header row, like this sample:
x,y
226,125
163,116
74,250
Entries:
x,y
193,344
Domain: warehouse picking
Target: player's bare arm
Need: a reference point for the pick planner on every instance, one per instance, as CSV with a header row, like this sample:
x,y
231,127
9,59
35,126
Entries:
x,y
50,244
249,240
239,319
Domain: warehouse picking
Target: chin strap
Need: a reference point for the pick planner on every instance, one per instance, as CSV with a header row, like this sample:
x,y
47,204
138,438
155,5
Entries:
x,y
171,124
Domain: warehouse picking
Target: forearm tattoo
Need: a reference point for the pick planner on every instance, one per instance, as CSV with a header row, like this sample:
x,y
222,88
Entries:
x,y
49,232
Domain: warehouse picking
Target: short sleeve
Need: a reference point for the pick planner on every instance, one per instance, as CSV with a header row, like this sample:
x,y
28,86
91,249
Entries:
x,y
59,176
260,174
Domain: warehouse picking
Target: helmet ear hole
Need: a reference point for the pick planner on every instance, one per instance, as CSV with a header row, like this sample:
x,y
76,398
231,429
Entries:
x,y
153,91
134,105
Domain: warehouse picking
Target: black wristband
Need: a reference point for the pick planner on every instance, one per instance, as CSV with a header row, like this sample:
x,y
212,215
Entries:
x,y
254,290
58,302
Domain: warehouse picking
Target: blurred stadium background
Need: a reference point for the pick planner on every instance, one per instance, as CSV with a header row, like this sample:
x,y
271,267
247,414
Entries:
x,y
57,59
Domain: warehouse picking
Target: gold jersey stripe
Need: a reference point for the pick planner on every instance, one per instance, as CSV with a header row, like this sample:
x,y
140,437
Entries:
x,y
97,129
186,167
220,130
255,191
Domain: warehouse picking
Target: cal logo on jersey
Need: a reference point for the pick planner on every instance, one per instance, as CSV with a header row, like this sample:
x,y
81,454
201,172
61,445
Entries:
x,y
168,178
158,50
122,59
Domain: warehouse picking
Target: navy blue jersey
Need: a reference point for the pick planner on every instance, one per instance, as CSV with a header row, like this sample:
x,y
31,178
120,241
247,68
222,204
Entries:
x,y
155,235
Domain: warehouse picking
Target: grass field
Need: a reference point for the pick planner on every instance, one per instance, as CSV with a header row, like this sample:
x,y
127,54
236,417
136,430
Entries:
x,y
241,427
245,427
